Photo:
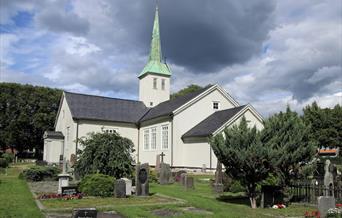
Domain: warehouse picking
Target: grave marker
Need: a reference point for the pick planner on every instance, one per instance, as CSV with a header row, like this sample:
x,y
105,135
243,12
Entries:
x,y
142,184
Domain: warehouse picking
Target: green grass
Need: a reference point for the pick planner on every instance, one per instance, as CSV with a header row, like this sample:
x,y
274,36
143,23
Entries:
x,y
16,199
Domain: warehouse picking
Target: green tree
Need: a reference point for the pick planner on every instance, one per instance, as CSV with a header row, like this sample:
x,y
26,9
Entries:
x,y
189,89
288,137
325,125
106,153
245,158
26,112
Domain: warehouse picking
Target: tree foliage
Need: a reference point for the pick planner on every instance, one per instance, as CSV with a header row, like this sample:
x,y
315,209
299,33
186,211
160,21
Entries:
x,y
26,112
189,89
288,136
325,125
246,159
106,153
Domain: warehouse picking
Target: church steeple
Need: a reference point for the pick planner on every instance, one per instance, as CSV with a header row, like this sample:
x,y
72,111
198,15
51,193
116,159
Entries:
x,y
155,63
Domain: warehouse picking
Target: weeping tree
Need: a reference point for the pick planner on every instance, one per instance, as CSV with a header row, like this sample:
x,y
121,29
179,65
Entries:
x,y
245,158
289,138
106,153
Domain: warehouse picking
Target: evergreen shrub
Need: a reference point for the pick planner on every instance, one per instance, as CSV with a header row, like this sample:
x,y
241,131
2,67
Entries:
x,y
3,163
97,185
236,187
39,173
8,157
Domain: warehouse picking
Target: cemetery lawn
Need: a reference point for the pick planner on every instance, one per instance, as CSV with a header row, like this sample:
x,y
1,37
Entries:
x,y
16,200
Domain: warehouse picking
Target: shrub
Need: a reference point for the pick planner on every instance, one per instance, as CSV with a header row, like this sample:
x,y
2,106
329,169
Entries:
x,y
97,185
9,157
153,177
237,187
3,163
39,173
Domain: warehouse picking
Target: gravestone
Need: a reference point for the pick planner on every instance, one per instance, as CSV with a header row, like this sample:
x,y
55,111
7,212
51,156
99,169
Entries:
x,y
73,159
63,178
324,204
271,195
120,188
218,184
182,178
328,179
157,162
142,185
189,182
178,175
128,184
204,168
164,174
84,213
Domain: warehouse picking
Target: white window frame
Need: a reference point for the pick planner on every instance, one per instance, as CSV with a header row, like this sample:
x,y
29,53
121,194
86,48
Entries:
x,y
162,137
146,142
153,138
218,105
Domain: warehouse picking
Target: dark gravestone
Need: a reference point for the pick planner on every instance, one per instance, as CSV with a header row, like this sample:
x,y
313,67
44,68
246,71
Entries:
x,y
84,213
189,182
69,190
120,188
164,174
218,184
142,185
271,195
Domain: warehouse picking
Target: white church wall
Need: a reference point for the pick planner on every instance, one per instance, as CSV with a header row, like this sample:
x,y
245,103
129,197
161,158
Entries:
x,y
148,93
190,117
67,126
52,150
149,155
124,129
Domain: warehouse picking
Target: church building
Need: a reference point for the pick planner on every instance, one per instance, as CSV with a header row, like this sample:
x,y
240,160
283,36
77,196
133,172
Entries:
x,y
178,128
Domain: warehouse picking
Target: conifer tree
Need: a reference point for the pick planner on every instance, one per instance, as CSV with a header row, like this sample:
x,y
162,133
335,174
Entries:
x,y
245,158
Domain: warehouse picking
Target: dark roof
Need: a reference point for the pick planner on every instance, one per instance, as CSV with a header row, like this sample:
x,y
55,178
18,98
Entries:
x,y
209,125
104,108
53,135
166,108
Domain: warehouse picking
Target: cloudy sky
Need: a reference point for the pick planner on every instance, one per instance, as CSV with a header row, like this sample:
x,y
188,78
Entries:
x,y
264,52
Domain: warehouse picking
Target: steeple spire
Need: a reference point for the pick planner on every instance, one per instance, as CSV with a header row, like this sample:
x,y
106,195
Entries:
x,y
155,63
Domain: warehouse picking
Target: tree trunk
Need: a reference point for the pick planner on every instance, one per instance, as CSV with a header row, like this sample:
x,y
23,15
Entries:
x,y
253,202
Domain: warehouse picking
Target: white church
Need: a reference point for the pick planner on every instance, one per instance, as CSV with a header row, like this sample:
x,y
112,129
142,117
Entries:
x,y
179,127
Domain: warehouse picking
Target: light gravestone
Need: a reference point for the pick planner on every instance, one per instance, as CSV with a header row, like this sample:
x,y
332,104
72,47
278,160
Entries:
x,y
120,188
182,178
128,184
218,185
157,168
324,204
164,174
142,185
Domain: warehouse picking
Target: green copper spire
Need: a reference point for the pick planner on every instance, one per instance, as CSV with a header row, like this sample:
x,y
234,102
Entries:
x,y
155,64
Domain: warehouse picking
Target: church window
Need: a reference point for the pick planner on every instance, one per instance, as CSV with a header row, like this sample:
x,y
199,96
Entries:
x,y
155,83
154,138
163,84
216,105
165,137
146,139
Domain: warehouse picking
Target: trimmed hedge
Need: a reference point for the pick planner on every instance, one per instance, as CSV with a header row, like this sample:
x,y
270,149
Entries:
x,y
39,173
97,185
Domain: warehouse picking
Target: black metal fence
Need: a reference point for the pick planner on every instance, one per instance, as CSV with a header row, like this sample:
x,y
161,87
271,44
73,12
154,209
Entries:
x,y
308,193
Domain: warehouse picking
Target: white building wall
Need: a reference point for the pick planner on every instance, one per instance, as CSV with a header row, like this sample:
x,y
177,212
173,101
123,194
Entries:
x,y
186,120
124,129
149,156
53,148
67,126
148,94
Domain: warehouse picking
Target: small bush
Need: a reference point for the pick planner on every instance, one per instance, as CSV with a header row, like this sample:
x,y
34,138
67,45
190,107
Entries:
x,y
153,177
3,163
97,185
39,173
237,187
9,157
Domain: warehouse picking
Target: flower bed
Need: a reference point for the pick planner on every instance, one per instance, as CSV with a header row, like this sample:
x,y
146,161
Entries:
x,y
312,214
60,196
